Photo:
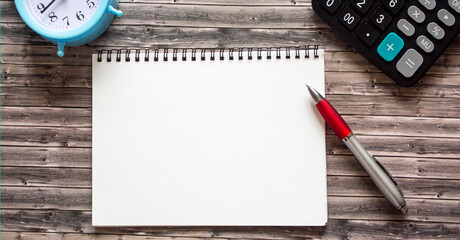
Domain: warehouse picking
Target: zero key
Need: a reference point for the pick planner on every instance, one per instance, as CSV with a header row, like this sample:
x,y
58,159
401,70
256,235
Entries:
x,y
331,5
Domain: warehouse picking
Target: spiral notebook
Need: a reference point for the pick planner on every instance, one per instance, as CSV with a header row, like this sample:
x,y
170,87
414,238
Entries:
x,y
208,137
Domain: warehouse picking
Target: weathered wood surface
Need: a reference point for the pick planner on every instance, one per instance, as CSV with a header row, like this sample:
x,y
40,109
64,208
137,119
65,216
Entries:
x,y
46,124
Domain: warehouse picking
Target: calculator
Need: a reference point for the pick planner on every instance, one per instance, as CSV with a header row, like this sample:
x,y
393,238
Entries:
x,y
403,38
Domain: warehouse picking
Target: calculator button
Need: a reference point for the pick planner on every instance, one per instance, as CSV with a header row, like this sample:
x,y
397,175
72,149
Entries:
x,y
425,44
368,34
435,30
331,5
416,14
362,5
380,18
455,4
409,63
394,6
405,27
428,4
349,18
446,18
390,46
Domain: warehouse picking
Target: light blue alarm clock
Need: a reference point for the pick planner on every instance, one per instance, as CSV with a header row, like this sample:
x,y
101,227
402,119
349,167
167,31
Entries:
x,y
68,22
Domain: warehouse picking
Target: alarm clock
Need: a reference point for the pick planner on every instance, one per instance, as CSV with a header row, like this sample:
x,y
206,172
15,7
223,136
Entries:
x,y
69,22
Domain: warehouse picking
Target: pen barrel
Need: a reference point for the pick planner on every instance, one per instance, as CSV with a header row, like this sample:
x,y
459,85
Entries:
x,y
379,176
333,118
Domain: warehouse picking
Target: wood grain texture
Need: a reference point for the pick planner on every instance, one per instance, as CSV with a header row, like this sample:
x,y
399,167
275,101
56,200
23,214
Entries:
x,y
46,124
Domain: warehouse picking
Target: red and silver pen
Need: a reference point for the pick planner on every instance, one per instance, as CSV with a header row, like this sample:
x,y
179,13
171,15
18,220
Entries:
x,y
382,179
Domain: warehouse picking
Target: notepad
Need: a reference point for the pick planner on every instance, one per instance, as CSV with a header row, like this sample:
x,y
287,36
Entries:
x,y
208,137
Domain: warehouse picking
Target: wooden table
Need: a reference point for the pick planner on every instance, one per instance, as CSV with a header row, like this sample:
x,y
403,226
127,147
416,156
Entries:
x,y
46,124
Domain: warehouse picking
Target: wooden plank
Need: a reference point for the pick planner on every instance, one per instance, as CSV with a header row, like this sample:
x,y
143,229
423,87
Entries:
x,y
222,16
46,198
399,146
51,198
398,166
335,229
77,56
45,76
368,125
46,116
347,165
148,36
46,136
50,177
46,97
347,208
396,106
404,126
46,157
355,83
82,236
80,198
376,145
378,84
345,104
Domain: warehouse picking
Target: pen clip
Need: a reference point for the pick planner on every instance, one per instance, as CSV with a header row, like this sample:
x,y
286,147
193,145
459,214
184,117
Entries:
x,y
387,173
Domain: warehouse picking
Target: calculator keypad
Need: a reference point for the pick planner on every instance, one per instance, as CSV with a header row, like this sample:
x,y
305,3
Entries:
x,y
402,38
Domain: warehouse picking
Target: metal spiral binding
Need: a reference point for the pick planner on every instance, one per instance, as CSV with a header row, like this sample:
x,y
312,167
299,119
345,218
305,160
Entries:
x,y
210,53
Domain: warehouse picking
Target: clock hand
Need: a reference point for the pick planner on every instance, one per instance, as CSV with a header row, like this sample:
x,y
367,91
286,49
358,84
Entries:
x,y
49,4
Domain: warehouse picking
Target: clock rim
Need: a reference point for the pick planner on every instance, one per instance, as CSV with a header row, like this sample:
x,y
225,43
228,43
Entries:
x,y
63,36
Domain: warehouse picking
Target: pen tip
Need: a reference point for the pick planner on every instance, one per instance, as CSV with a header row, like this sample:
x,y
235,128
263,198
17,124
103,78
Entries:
x,y
404,209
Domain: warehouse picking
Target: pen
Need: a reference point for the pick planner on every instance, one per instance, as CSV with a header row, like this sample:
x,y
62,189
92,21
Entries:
x,y
382,179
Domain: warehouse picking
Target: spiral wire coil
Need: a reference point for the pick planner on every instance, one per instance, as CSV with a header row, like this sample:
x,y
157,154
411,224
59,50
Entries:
x,y
259,53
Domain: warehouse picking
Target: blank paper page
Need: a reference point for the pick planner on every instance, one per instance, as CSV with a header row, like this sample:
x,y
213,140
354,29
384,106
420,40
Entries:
x,y
223,142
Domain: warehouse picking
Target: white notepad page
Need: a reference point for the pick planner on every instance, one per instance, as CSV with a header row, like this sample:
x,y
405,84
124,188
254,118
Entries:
x,y
208,142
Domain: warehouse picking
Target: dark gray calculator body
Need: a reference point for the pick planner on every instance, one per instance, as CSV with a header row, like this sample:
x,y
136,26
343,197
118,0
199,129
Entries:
x,y
403,38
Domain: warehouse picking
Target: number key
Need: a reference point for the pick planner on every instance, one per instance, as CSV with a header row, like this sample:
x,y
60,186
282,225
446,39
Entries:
x,y
394,6
362,5
380,18
331,5
349,18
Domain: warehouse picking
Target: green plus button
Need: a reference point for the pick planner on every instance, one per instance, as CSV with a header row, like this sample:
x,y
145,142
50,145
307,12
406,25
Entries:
x,y
390,46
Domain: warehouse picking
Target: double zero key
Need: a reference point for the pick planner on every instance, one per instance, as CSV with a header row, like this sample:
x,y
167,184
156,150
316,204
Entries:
x,y
349,18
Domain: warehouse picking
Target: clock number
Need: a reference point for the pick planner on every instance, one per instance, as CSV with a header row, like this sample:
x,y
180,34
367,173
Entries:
x,y
90,4
380,19
66,17
360,4
53,17
41,7
80,16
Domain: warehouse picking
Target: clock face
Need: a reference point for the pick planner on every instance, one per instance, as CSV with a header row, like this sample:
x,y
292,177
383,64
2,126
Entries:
x,y
62,15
